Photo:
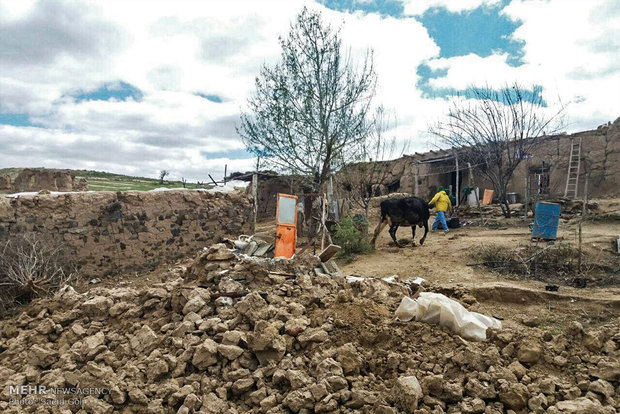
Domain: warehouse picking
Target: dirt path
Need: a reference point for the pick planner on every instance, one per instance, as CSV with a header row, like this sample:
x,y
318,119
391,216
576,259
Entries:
x,y
443,261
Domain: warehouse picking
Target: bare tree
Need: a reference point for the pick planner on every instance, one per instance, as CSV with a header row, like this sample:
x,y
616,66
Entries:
x,y
363,180
309,113
183,181
495,130
162,175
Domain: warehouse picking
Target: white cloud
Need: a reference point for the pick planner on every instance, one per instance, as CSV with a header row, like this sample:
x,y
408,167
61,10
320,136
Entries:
x,y
570,49
418,7
51,50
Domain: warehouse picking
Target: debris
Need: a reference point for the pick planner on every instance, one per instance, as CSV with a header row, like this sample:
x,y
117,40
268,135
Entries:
x,y
251,334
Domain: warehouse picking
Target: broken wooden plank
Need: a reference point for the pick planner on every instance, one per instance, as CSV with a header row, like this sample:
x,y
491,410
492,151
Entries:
x,y
263,249
329,252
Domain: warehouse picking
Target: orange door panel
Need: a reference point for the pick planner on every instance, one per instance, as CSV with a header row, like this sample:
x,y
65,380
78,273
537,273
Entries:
x,y
286,226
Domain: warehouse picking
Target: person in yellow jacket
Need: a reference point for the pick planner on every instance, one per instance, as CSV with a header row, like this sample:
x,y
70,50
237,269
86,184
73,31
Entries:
x,y
443,204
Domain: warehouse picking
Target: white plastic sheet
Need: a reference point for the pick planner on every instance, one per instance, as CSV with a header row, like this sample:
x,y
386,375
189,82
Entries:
x,y
439,309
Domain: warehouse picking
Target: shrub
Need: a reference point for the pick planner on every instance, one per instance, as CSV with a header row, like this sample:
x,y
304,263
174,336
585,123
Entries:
x,y
552,264
32,266
351,235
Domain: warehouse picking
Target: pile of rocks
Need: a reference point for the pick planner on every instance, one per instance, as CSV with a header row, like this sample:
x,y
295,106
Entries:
x,y
236,334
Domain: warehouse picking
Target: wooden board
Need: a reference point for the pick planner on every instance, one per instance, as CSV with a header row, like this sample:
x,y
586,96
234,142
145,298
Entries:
x,y
329,252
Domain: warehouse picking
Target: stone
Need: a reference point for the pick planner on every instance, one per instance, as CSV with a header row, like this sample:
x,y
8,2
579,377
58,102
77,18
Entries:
x,y
296,326
137,396
452,392
242,385
42,357
45,327
326,406
298,399
475,406
97,307
94,405
607,370
266,342
251,305
514,396
194,305
593,341
529,351
297,379
602,387
538,403
580,405
92,345
360,398
268,402
230,286
547,385
318,391
205,354
156,369
574,329
233,337
560,361
313,335
219,252
478,389
117,396
517,369
143,341
530,320
230,352
349,359
407,392
328,368
433,385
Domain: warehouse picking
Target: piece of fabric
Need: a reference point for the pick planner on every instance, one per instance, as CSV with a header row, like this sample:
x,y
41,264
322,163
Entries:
x,y
441,218
442,201
438,309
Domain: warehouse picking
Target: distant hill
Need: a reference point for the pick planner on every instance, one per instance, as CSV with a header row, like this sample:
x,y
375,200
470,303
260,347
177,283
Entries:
x,y
104,181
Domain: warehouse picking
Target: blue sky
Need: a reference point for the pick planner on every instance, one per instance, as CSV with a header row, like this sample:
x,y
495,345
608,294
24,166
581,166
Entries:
x,y
134,90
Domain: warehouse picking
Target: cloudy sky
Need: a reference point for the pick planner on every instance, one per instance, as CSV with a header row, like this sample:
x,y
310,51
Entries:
x,y
134,87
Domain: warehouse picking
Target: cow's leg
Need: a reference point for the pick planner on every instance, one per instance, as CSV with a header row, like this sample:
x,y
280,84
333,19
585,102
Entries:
x,y
425,232
384,221
413,234
393,229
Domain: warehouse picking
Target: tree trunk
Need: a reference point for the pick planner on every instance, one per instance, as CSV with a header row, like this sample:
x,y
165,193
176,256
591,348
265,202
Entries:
x,y
506,208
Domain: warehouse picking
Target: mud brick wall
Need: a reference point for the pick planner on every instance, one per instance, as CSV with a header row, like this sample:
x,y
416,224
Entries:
x,y
110,232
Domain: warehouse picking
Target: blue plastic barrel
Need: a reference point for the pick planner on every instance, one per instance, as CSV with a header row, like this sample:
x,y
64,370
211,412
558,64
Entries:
x,y
546,221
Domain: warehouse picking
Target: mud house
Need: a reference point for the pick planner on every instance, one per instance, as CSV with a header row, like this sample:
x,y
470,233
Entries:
x,y
37,179
542,173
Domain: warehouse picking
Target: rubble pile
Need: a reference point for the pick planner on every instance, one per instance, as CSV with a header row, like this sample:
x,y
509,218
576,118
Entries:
x,y
236,334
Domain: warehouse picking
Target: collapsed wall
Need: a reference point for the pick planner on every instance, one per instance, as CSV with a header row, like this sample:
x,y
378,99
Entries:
x,y
109,232
45,179
5,182
236,334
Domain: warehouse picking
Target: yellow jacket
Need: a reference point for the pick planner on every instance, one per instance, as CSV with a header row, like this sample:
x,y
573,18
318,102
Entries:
x,y
442,201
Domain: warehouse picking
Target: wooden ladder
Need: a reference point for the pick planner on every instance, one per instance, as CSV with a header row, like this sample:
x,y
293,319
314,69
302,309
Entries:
x,y
574,164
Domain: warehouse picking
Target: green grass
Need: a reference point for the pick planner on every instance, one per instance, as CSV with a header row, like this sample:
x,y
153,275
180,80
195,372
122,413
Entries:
x,y
104,181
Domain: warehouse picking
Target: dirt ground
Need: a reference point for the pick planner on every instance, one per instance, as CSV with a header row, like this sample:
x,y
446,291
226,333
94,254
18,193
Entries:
x,y
447,261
